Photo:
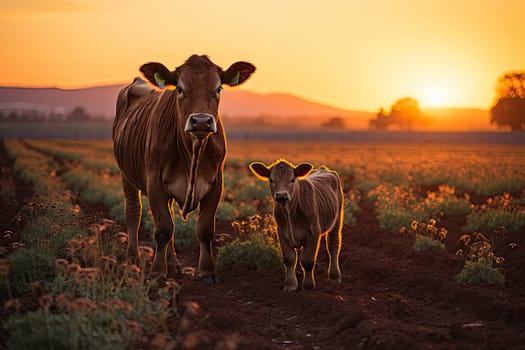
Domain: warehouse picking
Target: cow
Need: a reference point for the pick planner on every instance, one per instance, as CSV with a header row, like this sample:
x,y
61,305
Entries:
x,y
170,145
307,205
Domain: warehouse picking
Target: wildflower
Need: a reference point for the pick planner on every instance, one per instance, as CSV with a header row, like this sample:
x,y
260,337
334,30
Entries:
x,y
61,263
62,300
109,260
82,304
45,301
133,326
36,286
146,252
13,304
73,268
122,237
119,304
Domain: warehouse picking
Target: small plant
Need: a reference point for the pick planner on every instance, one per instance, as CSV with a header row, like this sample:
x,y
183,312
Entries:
x,y
481,264
351,208
427,235
396,207
498,211
443,202
255,248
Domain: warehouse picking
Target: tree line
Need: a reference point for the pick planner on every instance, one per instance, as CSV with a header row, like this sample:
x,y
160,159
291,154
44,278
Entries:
x,y
77,114
508,110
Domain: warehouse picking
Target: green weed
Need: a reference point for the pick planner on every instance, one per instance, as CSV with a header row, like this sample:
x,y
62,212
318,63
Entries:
x,y
256,248
481,264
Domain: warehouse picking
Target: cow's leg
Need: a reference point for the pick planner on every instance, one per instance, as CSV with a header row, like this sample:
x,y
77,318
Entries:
x,y
133,213
308,259
290,263
206,230
174,267
333,246
163,225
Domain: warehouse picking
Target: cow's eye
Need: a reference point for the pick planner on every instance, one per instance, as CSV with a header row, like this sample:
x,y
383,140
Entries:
x,y
292,180
180,90
271,181
219,89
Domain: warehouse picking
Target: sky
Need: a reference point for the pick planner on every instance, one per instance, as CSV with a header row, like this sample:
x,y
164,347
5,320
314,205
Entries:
x,y
359,55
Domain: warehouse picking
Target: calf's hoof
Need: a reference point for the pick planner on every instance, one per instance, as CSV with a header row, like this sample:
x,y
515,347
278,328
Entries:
x,y
290,288
210,280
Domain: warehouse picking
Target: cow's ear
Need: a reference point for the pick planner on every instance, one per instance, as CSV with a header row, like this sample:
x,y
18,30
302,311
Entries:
x,y
260,170
238,73
158,74
302,169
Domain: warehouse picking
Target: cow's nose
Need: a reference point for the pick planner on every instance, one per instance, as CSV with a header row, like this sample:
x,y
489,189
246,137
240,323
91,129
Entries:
x,y
281,196
201,124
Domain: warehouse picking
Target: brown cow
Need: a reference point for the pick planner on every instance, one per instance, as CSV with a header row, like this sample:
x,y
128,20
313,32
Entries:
x,y
170,145
308,204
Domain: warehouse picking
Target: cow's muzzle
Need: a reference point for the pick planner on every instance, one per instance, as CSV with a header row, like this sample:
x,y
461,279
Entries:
x,y
281,197
201,124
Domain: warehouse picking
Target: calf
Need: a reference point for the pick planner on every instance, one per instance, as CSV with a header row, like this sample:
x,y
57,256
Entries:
x,y
308,204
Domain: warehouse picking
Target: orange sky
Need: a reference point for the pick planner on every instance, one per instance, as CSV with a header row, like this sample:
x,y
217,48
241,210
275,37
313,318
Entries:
x,y
350,54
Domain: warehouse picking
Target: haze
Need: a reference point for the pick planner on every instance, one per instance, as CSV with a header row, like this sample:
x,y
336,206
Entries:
x,y
350,54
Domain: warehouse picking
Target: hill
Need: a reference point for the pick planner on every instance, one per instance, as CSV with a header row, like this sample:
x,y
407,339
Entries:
x,y
238,106
240,109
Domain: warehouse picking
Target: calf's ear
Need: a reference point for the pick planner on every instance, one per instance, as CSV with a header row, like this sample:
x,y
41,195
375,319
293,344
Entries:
x,y
158,74
260,170
302,169
237,74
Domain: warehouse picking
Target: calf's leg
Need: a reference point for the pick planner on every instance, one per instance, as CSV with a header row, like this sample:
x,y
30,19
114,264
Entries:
x,y
333,246
290,263
133,213
308,259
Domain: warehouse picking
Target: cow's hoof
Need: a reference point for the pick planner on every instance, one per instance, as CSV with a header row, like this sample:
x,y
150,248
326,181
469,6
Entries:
x,y
290,288
210,280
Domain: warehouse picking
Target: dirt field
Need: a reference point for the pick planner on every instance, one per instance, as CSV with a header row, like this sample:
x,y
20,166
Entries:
x,y
391,297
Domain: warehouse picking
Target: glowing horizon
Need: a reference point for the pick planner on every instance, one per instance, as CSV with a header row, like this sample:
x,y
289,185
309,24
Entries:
x,y
350,55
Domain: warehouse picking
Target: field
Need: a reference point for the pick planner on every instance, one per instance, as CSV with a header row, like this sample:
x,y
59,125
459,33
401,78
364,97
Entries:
x,y
433,254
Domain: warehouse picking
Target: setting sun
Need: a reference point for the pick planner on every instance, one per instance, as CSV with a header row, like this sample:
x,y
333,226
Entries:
x,y
434,99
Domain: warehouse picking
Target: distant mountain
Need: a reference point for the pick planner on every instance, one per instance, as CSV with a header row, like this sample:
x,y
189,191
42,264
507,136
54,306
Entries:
x,y
97,101
239,108
236,105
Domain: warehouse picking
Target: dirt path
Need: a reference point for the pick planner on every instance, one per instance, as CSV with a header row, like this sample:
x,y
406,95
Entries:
x,y
391,297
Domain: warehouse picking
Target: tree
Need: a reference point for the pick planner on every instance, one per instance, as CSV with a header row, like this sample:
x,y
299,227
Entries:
x,y
509,108
78,114
334,123
405,113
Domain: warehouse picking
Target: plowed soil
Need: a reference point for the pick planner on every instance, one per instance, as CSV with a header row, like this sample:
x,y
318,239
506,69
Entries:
x,y
390,297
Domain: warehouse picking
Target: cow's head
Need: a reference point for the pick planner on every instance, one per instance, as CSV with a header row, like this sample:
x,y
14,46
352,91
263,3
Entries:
x,y
198,83
282,175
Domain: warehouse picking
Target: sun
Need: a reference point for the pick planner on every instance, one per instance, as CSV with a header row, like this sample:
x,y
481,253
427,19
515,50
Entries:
x,y
434,99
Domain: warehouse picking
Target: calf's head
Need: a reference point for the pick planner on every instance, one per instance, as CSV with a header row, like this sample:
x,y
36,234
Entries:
x,y
198,83
282,177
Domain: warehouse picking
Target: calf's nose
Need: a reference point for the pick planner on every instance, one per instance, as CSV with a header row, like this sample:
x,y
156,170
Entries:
x,y
281,196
